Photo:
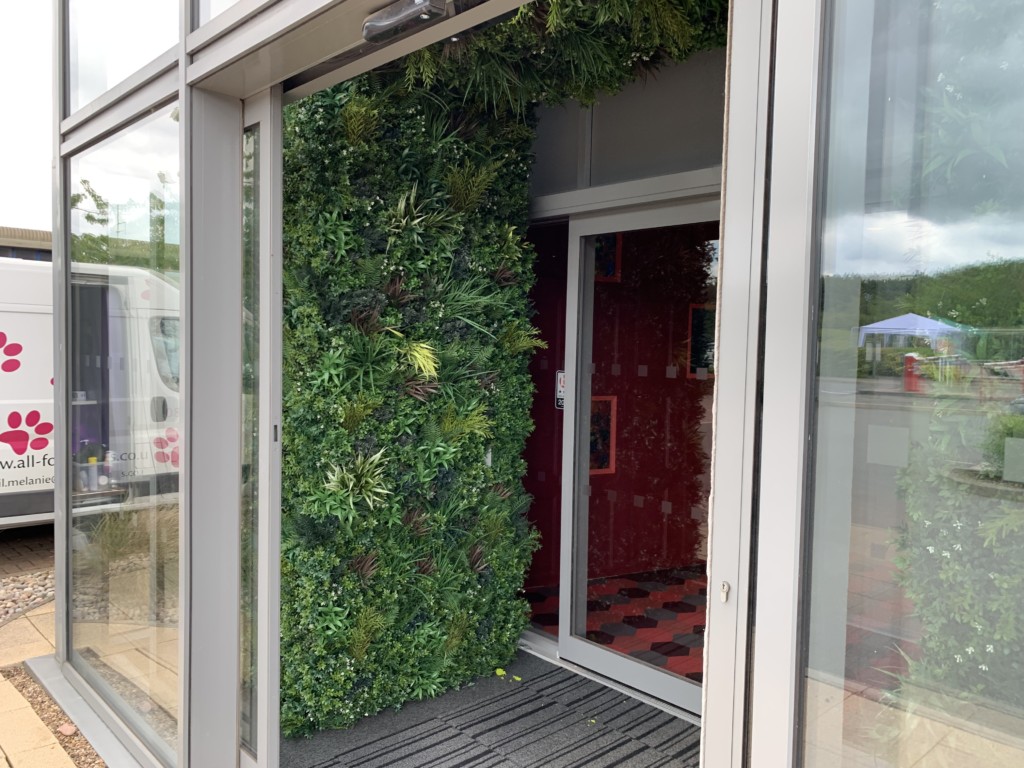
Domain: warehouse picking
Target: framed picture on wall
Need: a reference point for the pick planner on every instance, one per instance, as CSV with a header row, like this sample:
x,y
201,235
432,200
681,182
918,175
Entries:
x,y
608,258
602,434
701,347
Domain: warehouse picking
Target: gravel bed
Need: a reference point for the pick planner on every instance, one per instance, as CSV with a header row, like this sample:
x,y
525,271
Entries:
x,y
23,592
67,734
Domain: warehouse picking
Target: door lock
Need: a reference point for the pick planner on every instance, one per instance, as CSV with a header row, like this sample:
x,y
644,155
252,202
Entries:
x,y
725,591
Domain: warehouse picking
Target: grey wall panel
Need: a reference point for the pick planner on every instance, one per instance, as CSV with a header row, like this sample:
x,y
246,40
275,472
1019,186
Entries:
x,y
670,123
557,149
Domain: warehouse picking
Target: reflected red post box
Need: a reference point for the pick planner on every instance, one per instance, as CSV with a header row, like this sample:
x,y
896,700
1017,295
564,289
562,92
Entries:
x,y
911,373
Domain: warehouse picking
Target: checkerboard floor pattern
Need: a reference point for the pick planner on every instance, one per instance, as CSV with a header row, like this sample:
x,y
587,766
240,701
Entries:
x,y
657,616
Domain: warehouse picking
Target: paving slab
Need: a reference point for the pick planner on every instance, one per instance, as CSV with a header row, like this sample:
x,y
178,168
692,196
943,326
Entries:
x,y
50,756
23,731
20,640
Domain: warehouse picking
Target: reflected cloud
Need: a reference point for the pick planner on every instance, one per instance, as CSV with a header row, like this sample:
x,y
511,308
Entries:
x,y
897,243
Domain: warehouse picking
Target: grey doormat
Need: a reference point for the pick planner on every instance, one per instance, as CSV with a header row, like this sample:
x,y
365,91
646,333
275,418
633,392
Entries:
x,y
551,717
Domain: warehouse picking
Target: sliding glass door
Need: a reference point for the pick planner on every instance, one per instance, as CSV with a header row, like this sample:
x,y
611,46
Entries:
x,y
642,372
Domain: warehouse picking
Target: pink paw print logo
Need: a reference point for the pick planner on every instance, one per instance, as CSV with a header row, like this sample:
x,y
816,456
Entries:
x,y
167,450
26,433
9,354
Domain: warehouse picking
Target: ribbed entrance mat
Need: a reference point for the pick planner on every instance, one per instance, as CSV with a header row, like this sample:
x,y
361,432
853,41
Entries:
x,y
551,717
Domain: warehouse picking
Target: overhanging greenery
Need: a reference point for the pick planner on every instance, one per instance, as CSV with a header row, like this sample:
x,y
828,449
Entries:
x,y
407,338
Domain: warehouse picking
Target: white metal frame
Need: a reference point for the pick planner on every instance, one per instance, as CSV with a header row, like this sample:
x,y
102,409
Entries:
x,y
125,89
733,463
265,111
213,429
575,487
199,35
705,182
775,694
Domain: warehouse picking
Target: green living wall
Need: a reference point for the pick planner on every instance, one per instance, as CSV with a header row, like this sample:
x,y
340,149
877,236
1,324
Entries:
x,y
407,339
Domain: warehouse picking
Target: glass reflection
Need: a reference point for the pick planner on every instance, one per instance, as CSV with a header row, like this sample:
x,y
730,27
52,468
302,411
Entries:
x,y
125,428
914,645
250,433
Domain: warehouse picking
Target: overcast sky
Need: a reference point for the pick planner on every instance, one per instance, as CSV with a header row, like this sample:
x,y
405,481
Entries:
x,y
26,83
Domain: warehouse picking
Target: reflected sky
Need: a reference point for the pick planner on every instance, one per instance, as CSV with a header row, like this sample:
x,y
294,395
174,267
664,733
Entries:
x,y
124,171
925,153
899,243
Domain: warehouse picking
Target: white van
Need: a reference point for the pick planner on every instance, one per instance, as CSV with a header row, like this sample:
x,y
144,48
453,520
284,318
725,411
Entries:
x,y
125,405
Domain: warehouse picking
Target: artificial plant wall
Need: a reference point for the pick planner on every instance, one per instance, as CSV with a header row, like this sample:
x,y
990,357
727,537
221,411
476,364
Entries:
x,y
407,338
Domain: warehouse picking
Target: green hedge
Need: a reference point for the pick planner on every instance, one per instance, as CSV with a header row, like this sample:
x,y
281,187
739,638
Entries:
x,y
407,340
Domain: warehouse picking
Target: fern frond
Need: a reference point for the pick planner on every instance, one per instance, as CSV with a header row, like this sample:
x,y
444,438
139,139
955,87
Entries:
x,y
369,624
516,340
467,184
371,271
456,426
354,413
361,120
431,432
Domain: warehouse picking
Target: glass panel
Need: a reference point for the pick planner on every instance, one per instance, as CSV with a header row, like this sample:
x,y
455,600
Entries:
x,y
210,8
111,39
125,428
250,430
646,368
915,621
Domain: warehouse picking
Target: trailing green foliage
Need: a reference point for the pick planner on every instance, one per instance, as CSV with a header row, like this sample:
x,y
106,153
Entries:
x,y
567,49
407,340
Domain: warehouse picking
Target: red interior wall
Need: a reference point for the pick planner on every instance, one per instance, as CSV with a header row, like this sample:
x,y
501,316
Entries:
x,y
648,514
543,452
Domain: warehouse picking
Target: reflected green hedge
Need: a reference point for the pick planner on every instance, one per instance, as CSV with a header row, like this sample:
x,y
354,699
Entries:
x,y
960,558
407,340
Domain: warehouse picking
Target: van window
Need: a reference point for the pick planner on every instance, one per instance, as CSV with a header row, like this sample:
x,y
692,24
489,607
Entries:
x,y
164,333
